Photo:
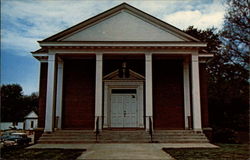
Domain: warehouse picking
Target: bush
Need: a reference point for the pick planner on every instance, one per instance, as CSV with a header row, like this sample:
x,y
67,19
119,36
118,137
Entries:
x,y
224,135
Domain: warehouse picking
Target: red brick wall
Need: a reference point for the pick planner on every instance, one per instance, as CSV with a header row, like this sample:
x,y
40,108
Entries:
x,y
204,94
168,110
42,94
79,94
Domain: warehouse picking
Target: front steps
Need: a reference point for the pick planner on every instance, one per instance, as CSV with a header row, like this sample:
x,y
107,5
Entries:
x,y
110,136
179,136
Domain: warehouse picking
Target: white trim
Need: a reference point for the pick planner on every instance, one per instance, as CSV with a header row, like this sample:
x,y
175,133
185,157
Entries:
x,y
109,85
118,44
40,55
98,90
59,93
149,88
196,104
206,55
186,84
43,61
169,52
50,98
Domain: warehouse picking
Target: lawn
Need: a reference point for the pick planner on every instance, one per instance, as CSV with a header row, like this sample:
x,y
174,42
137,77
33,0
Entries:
x,y
225,152
20,153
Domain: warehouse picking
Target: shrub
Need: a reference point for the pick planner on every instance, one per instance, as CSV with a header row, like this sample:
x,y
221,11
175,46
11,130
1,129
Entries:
x,y
224,135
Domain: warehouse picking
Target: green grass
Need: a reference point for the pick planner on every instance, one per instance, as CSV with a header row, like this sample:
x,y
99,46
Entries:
x,y
20,153
225,152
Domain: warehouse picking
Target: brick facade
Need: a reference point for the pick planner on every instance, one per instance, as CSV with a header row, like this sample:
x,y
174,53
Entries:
x,y
42,94
168,105
204,95
79,94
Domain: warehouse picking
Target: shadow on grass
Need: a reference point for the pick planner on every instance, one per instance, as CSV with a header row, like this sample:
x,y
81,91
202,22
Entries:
x,y
20,153
225,152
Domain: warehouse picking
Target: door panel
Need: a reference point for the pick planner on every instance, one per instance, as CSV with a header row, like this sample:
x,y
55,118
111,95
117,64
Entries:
x,y
116,111
123,110
130,111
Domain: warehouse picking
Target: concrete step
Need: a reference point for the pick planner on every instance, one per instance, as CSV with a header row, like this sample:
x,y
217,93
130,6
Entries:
x,y
110,136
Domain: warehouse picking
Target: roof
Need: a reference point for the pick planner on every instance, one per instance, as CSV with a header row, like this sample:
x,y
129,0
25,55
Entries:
x,y
112,11
32,114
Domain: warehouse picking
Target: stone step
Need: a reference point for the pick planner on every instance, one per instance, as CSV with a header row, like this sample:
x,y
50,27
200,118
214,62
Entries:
x,y
110,136
63,138
70,135
65,142
169,133
182,138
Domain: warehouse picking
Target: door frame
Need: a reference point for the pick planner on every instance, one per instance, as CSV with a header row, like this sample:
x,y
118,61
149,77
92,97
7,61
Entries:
x,y
112,84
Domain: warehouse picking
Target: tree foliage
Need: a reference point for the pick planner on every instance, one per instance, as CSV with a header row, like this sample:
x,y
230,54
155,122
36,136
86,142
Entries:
x,y
228,70
236,32
15,105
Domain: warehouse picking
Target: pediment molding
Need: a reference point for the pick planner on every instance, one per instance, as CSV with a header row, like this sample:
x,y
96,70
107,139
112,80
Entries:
x,y
114,76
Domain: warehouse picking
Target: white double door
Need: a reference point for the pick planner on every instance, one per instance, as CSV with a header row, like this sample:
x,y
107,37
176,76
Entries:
x,y
123,110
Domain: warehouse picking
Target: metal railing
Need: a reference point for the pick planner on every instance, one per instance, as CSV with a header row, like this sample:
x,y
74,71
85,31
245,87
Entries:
x,y
97,129
151,129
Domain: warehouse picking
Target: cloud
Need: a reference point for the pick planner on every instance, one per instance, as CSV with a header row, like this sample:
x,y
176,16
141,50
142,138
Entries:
x,y
201,16
183,19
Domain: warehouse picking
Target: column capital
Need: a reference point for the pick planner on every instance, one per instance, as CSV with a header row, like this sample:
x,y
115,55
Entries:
x,y
195,58
148,56
99,56
51,57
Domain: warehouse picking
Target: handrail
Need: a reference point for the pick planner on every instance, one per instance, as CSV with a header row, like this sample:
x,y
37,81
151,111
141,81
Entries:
x,y
150,129
97,128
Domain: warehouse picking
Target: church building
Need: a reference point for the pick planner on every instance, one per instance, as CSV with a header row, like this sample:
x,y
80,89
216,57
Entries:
x,y
122,69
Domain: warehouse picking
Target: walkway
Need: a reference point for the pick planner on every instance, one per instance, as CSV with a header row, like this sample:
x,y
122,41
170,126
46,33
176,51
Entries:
x,y
150,151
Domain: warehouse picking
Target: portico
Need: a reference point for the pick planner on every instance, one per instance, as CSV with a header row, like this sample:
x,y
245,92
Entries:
x,y
99,78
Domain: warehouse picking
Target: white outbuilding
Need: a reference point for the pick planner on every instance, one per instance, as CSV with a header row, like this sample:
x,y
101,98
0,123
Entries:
x,y
30,121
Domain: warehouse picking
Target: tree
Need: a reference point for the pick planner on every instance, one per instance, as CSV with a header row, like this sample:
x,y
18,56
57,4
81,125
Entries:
x,y
227,83
234,79
11,102
236,32
15,105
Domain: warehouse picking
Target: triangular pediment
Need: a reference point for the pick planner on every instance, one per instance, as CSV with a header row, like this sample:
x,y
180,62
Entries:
x,y
123,26
32,114
132,76
122,23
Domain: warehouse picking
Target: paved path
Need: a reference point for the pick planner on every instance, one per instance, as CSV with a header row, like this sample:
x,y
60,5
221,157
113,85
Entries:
x,y
125,151
132,151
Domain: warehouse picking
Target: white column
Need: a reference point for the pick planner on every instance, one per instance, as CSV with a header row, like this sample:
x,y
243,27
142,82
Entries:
x,y
59,93
50,98
196,104
98,90
187,110
148,89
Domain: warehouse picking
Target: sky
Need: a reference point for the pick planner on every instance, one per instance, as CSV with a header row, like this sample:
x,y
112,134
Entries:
x,y
24,22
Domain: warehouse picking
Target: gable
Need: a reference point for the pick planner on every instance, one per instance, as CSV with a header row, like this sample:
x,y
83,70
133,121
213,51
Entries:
x,y
115,76
122,23
123,26
31,115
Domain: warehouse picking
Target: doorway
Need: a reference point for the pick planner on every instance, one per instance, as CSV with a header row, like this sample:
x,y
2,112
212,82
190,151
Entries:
x,y
124,108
